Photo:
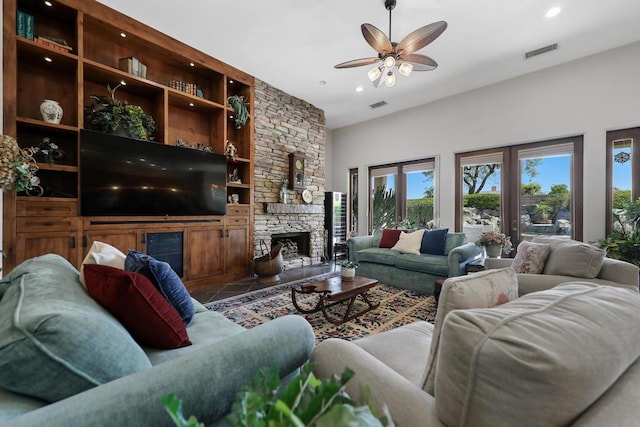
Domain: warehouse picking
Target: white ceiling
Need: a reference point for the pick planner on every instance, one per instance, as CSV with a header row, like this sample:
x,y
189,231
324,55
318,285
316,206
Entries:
x,y
294,44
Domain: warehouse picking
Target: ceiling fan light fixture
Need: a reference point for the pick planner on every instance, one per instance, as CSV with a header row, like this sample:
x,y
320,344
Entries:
x,y
405,69
374,73
389,62
391,79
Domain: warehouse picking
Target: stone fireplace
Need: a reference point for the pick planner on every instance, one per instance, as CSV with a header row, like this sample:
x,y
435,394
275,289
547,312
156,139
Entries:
x,y
294,245
284,125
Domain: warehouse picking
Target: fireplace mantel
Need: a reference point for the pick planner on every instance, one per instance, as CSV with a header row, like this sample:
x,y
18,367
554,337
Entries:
x,y
288,208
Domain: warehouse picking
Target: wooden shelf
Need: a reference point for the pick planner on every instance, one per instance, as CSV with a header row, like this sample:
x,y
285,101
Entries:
x,y
57,167
46,126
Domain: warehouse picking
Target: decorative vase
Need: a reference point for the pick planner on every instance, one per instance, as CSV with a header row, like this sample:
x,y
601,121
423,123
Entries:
x,y
494,251
348,273
51,111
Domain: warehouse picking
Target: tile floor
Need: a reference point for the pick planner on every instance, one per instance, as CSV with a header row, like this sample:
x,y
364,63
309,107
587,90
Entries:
x,y
218,292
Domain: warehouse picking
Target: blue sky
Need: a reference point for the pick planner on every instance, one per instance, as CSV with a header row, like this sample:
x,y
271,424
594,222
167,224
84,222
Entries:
x,y
552,170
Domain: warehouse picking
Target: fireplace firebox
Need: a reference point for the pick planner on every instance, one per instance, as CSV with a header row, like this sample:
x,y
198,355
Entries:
x,y
294,245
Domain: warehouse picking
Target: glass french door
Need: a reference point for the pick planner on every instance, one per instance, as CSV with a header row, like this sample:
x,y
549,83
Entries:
x,y
521,190
623,175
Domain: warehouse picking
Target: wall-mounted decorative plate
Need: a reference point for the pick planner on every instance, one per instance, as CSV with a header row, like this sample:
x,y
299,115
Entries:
x,y
307,196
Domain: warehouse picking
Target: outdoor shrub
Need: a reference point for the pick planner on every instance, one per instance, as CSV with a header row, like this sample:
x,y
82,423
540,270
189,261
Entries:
x,y
482,201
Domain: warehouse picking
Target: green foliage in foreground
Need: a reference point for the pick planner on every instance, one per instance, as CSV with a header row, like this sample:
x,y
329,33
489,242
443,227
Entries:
x,y
306,401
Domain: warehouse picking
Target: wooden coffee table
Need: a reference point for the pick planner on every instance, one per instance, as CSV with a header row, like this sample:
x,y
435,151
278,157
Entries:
x,y
335,291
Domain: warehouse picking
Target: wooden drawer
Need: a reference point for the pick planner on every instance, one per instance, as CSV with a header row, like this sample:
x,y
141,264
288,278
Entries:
x,y
56,223
237,220
46,208
237,210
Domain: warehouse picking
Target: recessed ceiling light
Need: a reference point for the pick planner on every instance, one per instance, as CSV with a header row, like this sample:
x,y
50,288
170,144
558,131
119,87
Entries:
x,y
123,35
554,11
359,89
322,82
48,3
48,59
191,104
230,82
191,64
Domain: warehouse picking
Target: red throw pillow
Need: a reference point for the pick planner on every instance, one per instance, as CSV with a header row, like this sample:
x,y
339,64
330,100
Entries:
x,y
390,237
138,305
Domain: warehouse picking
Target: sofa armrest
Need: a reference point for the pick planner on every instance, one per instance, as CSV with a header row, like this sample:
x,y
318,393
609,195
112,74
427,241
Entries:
x,y
206,380
460,256
620,272
358,243
409,405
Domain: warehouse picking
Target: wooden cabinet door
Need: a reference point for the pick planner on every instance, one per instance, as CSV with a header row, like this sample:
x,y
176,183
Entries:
x,y
122,239
237,250
63,243
203,249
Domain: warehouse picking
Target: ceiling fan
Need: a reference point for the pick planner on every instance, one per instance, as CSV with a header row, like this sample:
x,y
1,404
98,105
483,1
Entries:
x,y
396,55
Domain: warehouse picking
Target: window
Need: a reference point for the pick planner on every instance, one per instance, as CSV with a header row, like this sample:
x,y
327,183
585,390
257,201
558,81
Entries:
x,y
522,190
353,201
623,174
402,194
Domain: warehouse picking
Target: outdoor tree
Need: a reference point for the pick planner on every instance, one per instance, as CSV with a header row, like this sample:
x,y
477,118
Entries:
x,y
476,177
531,189
384,207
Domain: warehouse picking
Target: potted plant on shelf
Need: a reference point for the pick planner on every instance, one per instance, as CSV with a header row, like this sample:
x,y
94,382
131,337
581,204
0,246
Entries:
x,y
348,269
17,167
495,243
240,109
112,116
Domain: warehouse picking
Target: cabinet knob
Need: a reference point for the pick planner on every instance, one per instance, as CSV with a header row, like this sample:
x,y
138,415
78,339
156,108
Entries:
x,y
85,241
73,242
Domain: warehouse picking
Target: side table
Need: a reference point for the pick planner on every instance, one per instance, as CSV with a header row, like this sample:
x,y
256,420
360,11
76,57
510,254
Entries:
x,y
475,266
437,288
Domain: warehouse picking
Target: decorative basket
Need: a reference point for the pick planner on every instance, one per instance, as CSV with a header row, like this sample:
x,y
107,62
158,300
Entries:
x,y
269,265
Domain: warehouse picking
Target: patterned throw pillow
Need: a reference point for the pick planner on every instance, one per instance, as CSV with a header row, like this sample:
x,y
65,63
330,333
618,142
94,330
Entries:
x,y
485,289
409,243
390,237
530,257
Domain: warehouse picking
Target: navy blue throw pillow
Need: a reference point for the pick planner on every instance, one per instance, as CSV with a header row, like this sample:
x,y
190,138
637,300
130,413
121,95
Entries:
x,y
165,279
434,242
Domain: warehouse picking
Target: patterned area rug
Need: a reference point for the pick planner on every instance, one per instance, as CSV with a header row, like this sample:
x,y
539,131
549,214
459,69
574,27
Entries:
x,y
397,307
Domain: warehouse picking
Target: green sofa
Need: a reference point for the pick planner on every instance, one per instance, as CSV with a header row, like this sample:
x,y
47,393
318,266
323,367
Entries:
x,y
409,271
206,375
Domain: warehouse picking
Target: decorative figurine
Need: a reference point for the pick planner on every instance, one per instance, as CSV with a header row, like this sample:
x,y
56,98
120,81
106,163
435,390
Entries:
x,y
231,150
234,178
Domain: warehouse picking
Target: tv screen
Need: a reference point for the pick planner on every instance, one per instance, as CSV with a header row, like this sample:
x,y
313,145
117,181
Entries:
x,y
128,177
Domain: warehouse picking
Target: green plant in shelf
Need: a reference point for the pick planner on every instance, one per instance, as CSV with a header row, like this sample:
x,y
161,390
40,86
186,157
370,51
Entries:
x,y
240,108
112,116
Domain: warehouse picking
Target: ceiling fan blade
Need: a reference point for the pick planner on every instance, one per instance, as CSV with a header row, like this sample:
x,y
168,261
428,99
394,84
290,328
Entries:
x,y
376,38
357,62
420,62
421,37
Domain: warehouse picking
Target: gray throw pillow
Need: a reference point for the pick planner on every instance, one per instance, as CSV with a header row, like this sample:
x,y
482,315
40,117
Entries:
x,y
55,340
577,260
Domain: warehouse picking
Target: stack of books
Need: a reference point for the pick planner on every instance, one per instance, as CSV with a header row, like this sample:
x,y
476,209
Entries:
x,y
190,88
55,44
25,25
132,65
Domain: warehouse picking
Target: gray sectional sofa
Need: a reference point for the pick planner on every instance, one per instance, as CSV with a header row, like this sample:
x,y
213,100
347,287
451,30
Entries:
x,y
411,271
48,319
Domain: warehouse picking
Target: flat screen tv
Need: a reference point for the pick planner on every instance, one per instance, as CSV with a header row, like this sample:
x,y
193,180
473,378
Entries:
x,y
128,177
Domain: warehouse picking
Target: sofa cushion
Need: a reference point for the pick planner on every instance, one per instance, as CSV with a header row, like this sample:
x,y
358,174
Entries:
x,y
434,242
103,254
483,289
390,237
513,364
378,256
55,340
453,241
409,243
530,257
165,279
135,302
424,263
577,260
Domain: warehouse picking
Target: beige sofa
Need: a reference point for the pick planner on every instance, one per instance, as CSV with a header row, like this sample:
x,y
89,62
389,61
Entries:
x,y
564,356
582,264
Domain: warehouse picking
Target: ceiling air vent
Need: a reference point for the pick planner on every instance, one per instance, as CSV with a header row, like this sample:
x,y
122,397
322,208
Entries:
x,y
540,51
378,105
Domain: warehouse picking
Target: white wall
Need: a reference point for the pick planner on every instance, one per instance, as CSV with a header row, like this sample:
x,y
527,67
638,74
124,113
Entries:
x,y
587,96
